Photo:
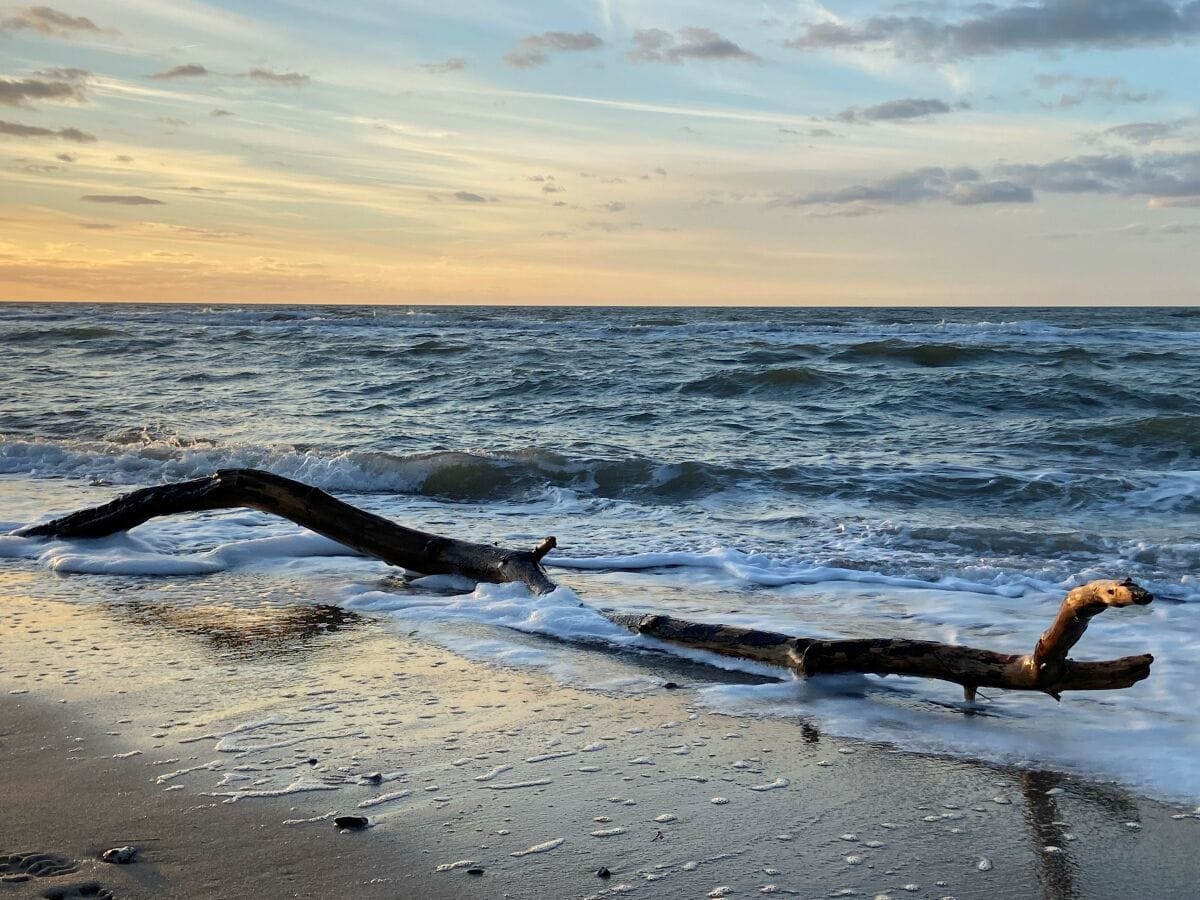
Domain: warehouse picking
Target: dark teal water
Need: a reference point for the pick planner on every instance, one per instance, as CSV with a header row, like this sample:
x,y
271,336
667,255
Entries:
x,y
1048,442
930,473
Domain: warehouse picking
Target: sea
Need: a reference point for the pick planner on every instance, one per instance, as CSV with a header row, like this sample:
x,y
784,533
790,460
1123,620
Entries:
x,y
941,474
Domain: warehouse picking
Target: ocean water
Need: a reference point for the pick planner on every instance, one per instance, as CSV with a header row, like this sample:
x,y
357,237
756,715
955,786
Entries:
x,y
940,474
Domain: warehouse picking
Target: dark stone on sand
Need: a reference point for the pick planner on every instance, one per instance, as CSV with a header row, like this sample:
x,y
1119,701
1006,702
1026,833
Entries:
x,y
603,872
311,761
373,778
354,823
671,686
75,891
120,856
475,871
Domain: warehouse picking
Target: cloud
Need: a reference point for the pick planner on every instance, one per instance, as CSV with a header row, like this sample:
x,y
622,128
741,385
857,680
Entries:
x,y
1144,133
122,199
14,92
220,113
656,45
1155,175
1168,179
1174,202
614,206
899,110
534,49
454,64
47,21
977,193
613,227
916,186
809,132
15,129
1109,90
988,29
66,157
286,79
68,73
468,197
1136,229
188,70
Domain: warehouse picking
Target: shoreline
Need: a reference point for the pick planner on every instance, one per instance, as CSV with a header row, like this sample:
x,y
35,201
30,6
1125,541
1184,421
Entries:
x,y
537,784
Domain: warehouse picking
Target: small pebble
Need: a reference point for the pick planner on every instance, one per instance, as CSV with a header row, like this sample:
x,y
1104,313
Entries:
x,y
603,872
353,823
120,856
475,871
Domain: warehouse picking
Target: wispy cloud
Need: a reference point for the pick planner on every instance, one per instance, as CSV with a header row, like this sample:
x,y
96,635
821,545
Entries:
x,y
989,29
962,186
18,92
121,199
1144,133
47,21
1156,175
469,197
15,129
1076,91
905,109
656,45
188,70
1164,177
68,73
285,79
454,64
535,48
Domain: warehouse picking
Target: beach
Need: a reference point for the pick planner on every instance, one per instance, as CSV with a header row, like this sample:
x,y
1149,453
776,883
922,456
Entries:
x,y
221,745
217,688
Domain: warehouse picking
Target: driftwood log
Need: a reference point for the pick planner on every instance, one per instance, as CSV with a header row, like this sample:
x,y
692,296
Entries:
x,y
373,535
1046,669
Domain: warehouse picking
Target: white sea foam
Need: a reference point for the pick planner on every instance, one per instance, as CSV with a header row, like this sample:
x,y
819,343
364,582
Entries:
x,y
765,571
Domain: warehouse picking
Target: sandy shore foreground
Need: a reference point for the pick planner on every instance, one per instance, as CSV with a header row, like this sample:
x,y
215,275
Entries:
x,y
221,741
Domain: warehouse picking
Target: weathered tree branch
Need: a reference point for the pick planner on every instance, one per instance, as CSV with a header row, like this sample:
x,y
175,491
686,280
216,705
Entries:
x,y
968,666
1046,669
416,551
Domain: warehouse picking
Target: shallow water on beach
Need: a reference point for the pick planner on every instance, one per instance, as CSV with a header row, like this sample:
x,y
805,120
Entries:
x,y
942,474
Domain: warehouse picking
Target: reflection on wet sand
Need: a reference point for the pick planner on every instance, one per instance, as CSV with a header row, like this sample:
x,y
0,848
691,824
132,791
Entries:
x,y
240,632
1057,866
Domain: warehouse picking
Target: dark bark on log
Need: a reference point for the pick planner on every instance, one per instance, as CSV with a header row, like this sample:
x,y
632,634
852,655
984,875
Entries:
x,y
1046,669
416,551
970,667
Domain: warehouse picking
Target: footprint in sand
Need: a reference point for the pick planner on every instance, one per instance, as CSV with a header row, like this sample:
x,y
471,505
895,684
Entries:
x,y
87,890
39,865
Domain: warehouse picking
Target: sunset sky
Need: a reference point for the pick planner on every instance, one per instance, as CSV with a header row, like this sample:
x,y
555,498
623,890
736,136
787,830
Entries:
x,y
609,151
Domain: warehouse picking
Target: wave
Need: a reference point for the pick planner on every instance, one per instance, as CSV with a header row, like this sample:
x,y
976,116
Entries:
x,y
781,381
917,354
150,455
62,335
1173,433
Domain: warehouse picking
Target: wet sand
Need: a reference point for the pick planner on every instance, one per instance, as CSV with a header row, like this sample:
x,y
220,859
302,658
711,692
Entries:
x,y
221,741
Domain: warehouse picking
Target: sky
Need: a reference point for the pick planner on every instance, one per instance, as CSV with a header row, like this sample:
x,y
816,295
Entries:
x,y
601,152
